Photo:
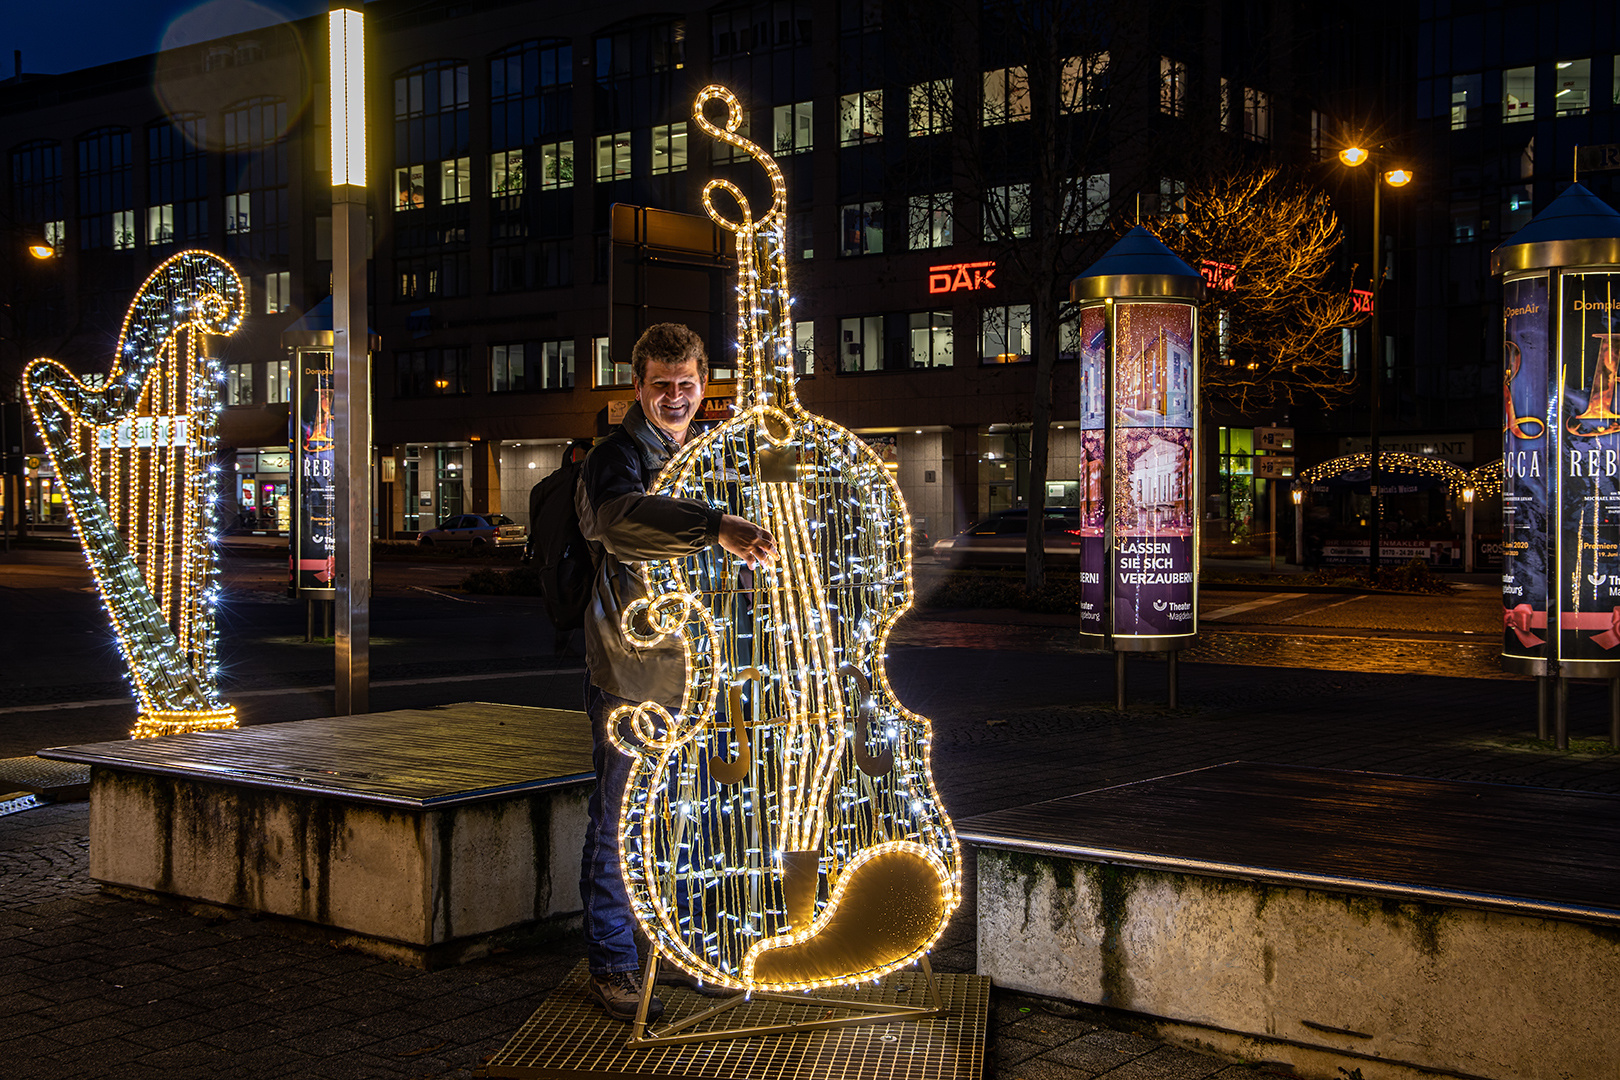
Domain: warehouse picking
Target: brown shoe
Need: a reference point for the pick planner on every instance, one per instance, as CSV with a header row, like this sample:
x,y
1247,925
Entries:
x,y
619,994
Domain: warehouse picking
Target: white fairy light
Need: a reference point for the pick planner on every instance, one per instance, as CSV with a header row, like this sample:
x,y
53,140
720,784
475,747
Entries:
x,y
135,455
767,770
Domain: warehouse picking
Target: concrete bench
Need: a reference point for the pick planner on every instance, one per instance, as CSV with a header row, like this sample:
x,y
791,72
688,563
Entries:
x,y
1326,919
424,835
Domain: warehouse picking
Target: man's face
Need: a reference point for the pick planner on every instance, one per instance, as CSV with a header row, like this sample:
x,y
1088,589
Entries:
x,y
669,395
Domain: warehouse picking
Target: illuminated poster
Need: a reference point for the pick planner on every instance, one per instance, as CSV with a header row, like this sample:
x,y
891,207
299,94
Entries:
x,y
1153,479
314,541
1093,432
1589,529
1526,477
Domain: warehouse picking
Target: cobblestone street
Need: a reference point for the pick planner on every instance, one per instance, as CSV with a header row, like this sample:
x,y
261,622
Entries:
x,y
98,985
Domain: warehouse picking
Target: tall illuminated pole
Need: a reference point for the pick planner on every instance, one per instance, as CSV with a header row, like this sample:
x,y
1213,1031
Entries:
x,y
351,363
1354,156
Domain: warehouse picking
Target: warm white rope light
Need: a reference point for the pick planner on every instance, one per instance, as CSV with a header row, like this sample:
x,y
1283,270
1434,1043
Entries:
x,y
798,841
136,457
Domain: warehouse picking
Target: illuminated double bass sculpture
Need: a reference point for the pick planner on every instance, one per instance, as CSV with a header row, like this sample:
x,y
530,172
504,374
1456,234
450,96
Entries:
x,y
780,829
135,454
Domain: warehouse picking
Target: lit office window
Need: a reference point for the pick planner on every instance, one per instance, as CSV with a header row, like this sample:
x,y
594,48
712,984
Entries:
x,y
1518,94
804,347
1006,213
861,227
669,148
860,117
1006,95
613,157
794,127
1004,334
277,292
860,343
1573,82
1172,86
1083,83
455,180
1256,114
929,108
608,373
238,384
933,341
929,220
1465,101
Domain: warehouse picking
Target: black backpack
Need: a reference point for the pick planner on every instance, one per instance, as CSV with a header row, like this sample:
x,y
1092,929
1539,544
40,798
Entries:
x,y
558,548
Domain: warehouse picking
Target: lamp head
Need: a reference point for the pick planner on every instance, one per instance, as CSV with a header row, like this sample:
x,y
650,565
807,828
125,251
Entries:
x,y
1398,177
1468,494
42,251
1352,156
1298,495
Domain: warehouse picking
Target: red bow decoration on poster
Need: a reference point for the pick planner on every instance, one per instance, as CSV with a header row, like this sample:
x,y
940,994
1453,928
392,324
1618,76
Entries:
x,y
1606,621
1521,620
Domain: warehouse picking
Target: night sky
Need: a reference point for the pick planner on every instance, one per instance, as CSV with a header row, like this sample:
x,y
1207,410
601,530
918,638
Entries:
x,y
55,38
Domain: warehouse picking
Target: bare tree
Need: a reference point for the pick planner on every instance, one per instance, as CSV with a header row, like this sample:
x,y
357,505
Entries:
x,y
1271,323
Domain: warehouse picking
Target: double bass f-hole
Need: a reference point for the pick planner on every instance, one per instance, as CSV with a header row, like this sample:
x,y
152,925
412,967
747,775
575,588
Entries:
x,y
733,771
870,764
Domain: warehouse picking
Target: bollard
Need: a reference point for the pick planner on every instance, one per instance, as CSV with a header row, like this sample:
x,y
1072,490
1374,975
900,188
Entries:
x,y
1542,689
1561,715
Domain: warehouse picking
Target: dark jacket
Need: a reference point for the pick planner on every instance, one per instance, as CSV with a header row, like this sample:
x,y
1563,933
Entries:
x,y
625,526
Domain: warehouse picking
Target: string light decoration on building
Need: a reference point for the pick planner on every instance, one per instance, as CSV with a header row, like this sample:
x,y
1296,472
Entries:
x,y
135,453
781,829
1390,463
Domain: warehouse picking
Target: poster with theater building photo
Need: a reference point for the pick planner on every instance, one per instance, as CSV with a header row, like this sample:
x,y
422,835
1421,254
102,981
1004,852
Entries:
x,y
1153,470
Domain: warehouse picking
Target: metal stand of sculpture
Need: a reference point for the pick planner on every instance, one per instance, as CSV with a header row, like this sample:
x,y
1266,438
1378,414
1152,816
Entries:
x,y
780,830
135,454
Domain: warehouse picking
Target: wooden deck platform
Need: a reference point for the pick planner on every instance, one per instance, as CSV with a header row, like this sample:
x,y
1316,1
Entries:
x,y
1332,920
1527,850
425,835
409,757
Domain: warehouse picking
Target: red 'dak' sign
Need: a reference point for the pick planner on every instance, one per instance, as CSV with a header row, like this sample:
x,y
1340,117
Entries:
x,y
961,277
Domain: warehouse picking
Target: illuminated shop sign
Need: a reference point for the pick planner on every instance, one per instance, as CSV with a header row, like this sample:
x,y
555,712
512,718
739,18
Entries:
x,y
1218,275
1362,299
961,277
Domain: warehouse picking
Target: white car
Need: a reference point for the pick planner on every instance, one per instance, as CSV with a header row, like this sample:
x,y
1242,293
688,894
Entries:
x,y
476,531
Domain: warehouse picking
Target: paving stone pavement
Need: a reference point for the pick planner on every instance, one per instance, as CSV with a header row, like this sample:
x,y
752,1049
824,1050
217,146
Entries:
x,y
97,985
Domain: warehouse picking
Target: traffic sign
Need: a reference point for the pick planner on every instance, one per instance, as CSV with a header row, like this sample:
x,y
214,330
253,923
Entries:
x,y
1273,438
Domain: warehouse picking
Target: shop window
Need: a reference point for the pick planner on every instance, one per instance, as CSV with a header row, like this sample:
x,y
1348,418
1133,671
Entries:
x,y
929,108
608,373
929,220
160,225
455,180
1004,334
932,339
1172,86
860,118
861,225
860,343
1516,208
1573,80
431,372
1006,95
1006,213
1518,94
804,347
794,126
1256,115
613,157
1465,101
410,190
669,148
238,384
278,381
277,293
1083,83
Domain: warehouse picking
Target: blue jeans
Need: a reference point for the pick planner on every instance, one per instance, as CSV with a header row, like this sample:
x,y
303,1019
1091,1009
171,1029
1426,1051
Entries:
x,y
610,936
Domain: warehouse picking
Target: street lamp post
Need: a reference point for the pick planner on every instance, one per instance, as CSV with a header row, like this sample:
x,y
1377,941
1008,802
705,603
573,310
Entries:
x,y
1354,156
1298,494
351,363
1468,529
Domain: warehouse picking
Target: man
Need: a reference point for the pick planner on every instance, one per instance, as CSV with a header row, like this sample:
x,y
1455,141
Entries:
x,y
626,526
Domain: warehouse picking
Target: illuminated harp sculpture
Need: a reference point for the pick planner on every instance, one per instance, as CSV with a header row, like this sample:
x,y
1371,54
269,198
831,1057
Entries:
x,y
780,830
134,453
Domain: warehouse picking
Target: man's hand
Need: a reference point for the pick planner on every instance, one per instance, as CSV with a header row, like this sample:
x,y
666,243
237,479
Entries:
x,y
750,543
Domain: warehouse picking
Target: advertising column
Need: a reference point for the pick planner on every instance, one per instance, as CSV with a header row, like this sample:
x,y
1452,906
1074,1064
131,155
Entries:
x,y
1153,478
1589,534
313,543
1526,472
1139,448
1093,463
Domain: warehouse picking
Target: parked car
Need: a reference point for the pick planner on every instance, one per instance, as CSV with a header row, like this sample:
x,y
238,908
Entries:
x,y
476,531
998,540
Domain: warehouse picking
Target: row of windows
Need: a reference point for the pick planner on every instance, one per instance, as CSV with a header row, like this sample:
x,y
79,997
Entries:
x,y
1571,85
904,341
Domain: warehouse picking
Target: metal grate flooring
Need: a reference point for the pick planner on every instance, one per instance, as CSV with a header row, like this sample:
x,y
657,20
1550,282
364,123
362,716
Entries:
x,y
55,780
569,1037
408,757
